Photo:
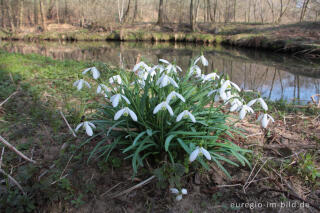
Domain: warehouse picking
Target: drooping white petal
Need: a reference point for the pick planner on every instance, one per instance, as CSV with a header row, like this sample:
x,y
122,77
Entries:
x,y
86,70
179,197
174,191
91,124
95,73
260,117
193,119
169,109
184,191
79,126
119,114
133,115
252,102
235,86
263,104
157,108
205,153
243,113
80,84
180,116
194,154
204,61
88,129
271,118
164,61
264,121
126,99
173,94
115,100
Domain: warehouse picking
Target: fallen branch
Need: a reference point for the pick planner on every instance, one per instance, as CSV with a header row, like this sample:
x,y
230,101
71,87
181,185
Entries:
x,y
15,150
8,98
13,180
134,187
65,120
1,158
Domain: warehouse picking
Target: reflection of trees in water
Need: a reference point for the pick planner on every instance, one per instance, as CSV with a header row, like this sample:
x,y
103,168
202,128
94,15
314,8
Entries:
x,y
272,82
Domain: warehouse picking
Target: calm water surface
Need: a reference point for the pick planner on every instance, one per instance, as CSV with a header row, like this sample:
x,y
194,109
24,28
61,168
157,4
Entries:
x,y
276,76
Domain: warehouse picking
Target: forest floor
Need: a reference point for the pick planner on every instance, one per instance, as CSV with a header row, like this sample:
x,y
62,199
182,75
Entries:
x,y
300,38
285,162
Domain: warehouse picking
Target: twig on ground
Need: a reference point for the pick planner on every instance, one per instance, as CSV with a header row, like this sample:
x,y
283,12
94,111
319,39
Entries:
x,y
13,180
1,104
46,171
1,157
15,150
109,190
54,182
247,183
134,187
66,121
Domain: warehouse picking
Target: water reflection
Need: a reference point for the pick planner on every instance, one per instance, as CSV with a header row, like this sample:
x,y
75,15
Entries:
x,y
275,76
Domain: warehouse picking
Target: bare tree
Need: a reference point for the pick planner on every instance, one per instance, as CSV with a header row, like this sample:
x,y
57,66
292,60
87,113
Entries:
x,y
160,13
304,9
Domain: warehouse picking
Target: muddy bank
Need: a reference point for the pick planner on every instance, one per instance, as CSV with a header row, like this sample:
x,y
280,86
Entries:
x,y
297,39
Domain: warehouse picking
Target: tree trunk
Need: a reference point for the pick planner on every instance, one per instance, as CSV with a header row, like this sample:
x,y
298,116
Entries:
x,y
304,9
215,11
57,8
160,13
2,14
21,13
192,19
43,15
10,15
135,12
209,15
234,10
35,12
126,13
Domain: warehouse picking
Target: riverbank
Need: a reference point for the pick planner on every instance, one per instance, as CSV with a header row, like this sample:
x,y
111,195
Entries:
x,y
64,181
299,39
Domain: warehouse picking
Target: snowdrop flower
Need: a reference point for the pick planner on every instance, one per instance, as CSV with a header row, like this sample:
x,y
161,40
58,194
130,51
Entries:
x,y
227,84
174,94
79,84
195,70
162,106
102,88
141,65
236,104
178,193
265,119
261,101
115,99
94,71
204,61
210,77
165,80
244,110
199,151
185,114
88,126
170,67
125,111
115,79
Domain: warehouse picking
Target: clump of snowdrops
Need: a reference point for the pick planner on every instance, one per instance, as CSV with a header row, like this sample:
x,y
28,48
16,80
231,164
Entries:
x,y
160,115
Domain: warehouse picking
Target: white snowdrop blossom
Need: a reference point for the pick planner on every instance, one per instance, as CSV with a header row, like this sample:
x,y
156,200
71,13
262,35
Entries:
x,y
95,72
261,101
101,89
88,127
179,193
125,111
244,110
174,94
162,106
236,105
115,99
185,114
227,84
210,77
204,61
195,70
265,119
79,84
199,151
165,80
115,79
170,67
141,66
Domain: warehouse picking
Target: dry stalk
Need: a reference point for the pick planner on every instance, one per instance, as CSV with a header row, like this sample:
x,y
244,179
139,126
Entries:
x,y
15,150
66,121
13,180
1,104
